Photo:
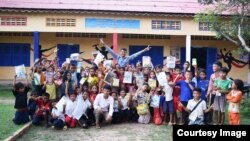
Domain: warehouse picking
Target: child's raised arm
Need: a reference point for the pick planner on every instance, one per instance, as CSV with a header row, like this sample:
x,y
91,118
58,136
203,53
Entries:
x,y
14,82
27,84
185,108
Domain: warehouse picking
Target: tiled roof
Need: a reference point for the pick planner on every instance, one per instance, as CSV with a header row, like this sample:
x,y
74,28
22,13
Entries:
x,y
152,6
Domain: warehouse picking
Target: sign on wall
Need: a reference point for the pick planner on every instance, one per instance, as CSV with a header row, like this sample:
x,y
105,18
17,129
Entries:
x,y
111,23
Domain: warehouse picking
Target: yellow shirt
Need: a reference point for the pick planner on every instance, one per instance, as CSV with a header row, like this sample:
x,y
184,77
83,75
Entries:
x,y
51,89
93,80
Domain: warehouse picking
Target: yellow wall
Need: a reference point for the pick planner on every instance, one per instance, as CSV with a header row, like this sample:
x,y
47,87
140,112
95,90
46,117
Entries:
x,y
37,22
49,39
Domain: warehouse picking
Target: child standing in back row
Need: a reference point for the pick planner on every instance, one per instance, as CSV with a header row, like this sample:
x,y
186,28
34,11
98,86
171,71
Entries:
x,y
234,98
222,87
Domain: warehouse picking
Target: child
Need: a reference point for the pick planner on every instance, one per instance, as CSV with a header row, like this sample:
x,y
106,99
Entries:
x,y
116,114
234,98
202,83
92,79
32,104
222,86
20,92
50,88
143,99
69,107
92,95
176,77
168,104
43,110
132,105
81,110
155,103
124,111
186,87
57,117
196,108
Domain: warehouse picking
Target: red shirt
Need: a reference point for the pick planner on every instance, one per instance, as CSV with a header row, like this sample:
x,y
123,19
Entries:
x,y
92,96
42,106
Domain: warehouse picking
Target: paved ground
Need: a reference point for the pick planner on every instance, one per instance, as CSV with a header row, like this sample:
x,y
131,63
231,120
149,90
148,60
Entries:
x,y
121,132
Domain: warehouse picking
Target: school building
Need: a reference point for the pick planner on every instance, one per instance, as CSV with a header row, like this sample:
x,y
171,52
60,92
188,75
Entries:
x,y
168,26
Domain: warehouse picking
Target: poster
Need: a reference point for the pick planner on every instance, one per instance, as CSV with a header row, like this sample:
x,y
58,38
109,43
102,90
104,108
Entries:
x,y
20,71
98,58
194,62
162,78
107,64
74,56
146,61
115,82
68,60
108,79
171,62
139,81
127,77
79,67
152,83
83,80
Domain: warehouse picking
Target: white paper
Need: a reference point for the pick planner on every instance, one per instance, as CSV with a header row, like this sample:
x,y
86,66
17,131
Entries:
x,y
162,78
67,60
146,61
248,78
194,62
81,107
108,64
127,77
171,62
74,56
79,67
98,58
139,81
83,80
20,71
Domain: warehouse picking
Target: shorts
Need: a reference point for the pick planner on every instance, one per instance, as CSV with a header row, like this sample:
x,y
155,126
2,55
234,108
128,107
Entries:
x,y
219,103
168,107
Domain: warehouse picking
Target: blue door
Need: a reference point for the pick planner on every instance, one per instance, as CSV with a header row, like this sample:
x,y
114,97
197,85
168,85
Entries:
x,y
156,54
13,54
211,58
64,51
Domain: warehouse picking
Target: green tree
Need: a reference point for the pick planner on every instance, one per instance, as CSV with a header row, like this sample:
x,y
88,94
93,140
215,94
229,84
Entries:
x,y
230,20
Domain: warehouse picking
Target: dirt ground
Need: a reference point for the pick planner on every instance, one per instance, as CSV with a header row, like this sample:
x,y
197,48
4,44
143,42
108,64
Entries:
x,y
120,132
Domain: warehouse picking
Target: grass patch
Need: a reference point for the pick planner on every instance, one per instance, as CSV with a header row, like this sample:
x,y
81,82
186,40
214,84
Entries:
x,y
6,94
7,127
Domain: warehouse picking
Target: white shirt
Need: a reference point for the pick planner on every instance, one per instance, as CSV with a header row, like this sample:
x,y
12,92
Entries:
x,y
70,107
199,111
168,92
155,101
124,103
58,113
106,104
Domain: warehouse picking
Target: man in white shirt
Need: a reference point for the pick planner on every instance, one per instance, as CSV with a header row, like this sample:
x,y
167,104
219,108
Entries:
x,y
103,106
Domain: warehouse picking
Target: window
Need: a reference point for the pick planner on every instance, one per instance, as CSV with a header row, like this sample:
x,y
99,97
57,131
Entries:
x,y
13,21
14,54
145,36
60,22
204,26
168,25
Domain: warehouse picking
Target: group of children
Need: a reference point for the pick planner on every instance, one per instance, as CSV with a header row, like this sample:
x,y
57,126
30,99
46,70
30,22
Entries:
x,y
64,97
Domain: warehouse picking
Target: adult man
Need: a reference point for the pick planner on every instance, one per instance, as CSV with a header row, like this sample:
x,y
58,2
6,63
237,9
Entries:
x,y
122,59
104,106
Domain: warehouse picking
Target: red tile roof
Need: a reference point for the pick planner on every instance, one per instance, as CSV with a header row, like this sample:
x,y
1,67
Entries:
x,y
154,6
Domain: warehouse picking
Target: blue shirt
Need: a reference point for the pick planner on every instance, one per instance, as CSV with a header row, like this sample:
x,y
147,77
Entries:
x,y
203,85
123,61
186,92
